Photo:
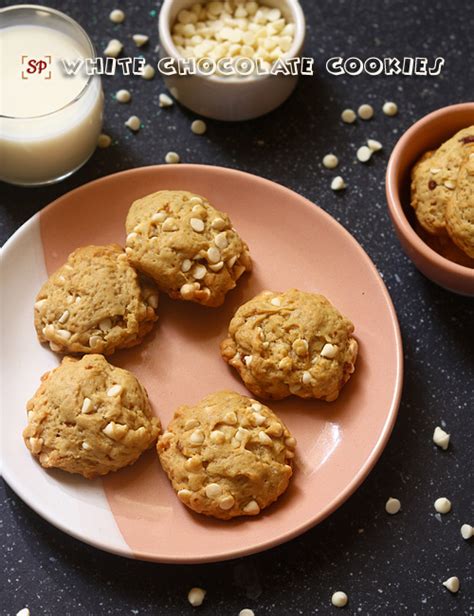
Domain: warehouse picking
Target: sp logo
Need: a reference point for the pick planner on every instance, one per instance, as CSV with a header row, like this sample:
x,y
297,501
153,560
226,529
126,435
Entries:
x,y
36,67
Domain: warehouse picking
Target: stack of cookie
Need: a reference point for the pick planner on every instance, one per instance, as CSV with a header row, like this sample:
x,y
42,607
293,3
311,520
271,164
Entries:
x,y
442,194
229,455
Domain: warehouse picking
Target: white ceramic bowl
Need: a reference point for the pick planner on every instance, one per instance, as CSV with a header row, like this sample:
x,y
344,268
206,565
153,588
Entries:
x,y
230,98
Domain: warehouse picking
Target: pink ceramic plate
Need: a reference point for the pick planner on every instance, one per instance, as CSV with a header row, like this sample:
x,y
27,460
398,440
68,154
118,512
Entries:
x,y
294,244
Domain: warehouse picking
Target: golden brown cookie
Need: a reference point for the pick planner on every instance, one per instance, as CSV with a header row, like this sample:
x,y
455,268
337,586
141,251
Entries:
x,y
291,343
95,303
460,210
227,456
188,247
443,245
89,417
434,178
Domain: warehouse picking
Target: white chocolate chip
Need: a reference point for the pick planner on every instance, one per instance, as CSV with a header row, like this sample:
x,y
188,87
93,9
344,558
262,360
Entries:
x,y
467,531
275,301
95,341
365,112
441,438
117,16
104,141
191,423
252,507
339,598
169,224
218,224
85,445
256,407
393,506
63,333
197,437
115,390
246,612
226,502
172,158
248,360
105,325
113,49
217,436
123,96
54,347
165,100
133,123
450,185
131,237
86,406
338,183
442,505
348,116
36,444
140,39
434,170
199,272
197,225
214,255
306,378
230,418
187,291
452,584
196,596
364,154
300,347
158,217
221,240
290,442
241,434
148,72
64,317
186,265
390,109
153,301
258,419
330,161
264,438
184,494
374,145
40,303
23,612
213,490
198,127
329,351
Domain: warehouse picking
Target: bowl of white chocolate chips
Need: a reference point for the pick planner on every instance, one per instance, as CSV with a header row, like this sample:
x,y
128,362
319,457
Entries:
x,y
231,60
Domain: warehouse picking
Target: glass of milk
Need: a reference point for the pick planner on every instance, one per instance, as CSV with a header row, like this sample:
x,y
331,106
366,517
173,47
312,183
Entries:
x,y
49,121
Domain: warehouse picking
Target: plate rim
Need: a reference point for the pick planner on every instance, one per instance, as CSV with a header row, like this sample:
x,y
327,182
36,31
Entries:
x,y
336,502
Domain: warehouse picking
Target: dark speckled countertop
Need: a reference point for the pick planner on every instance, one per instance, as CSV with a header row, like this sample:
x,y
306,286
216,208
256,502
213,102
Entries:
x,y
387,565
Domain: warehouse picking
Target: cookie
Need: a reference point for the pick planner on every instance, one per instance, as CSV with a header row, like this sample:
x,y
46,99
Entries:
x,y
291,343
227,456
95,303
90,418
460,210
444,246
434,179
188,247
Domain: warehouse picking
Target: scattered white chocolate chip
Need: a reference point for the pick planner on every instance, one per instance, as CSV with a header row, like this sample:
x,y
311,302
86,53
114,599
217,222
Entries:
x,y
248,360
148,72
434,170
259,419
364,154
467,531
199,271
123,96
393,506
133,123
330,161
264,438
165,100
104,141
140,39
64,334
300,347
306,378
158,217
365,112
196,596
115,390
390,109
348,116
85,445
213,254
36,444
217,436
338,183
191,423
218,224
184,494
117,16
213,490
452,584
172,158
290,442
256,407
246,612
441,438
86,406
226,502
241,434
187,291
169,224
113,49
374,145
339,598
275,301
105,325
442,505
329,351
40,303
186,265
252,507
230,418
197,225
131,236
64,317
221,240
450,184
198,127
197,437
23,612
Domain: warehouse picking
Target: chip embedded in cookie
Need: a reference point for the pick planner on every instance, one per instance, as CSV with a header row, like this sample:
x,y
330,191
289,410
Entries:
x,y
89,417
291,343
187,246
227,456
460,210
95,303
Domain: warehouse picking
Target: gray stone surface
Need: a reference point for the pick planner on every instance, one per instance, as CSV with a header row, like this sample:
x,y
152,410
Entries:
x,y
387,565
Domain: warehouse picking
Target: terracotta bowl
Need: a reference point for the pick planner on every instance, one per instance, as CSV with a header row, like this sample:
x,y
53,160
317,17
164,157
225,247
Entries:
x,y
426,134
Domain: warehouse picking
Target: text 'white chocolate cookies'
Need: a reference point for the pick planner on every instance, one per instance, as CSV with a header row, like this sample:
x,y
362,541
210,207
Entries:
x,y
291,343
95,303
227,456
90,418
187,246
